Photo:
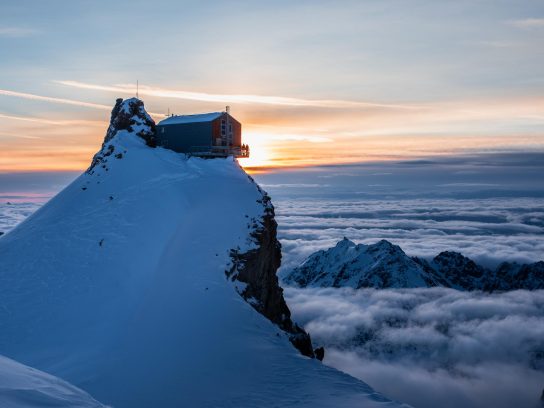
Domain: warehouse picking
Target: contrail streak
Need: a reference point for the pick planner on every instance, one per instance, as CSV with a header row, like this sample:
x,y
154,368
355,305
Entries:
x,y
64,101
54,100
33,119
234,98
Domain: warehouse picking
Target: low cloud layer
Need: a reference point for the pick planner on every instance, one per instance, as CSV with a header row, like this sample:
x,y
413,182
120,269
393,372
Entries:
x,y
12,213
432,347
488,207
487,230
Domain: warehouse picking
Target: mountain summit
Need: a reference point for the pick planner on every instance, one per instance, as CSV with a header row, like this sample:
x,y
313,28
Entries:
x,y
381,265
384,265
150,282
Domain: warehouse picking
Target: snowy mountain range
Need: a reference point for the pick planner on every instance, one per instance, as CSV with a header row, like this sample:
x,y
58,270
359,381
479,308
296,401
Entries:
x,y
150,281
384,265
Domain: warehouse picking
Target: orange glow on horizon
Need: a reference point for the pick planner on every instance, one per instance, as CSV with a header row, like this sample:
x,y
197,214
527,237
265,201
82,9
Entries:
x,y
281,138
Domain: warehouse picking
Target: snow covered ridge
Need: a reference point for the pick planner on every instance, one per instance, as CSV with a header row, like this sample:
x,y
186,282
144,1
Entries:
x,y
25,387
118,285
384,265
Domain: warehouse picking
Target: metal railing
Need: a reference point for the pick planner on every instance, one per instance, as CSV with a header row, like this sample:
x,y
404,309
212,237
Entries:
x,y
219,151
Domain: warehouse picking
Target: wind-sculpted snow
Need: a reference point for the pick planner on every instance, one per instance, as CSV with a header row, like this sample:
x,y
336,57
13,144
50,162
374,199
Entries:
x,y
25,387
432,347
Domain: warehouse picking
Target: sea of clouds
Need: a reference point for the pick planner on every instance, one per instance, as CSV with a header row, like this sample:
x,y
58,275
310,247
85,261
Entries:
x,y
432,347
488,230
488,207
12,213
427,347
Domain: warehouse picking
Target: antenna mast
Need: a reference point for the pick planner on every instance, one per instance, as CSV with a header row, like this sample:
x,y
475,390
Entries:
x,y
137,89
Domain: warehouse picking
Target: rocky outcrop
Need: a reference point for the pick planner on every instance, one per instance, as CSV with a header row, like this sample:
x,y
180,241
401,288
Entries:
x,y
256,270
514,275
319,353
127,115
459,271
384,265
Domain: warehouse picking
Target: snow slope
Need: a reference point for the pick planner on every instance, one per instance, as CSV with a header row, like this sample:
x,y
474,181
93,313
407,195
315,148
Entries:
x,y
25,387
118,285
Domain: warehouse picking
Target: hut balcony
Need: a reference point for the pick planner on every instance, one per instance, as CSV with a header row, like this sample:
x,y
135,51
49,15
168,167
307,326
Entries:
x,y
219,151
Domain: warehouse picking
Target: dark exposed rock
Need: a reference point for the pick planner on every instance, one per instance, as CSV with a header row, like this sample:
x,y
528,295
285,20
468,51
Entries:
x,y
512,275
460,271
257,268
319,353
128,115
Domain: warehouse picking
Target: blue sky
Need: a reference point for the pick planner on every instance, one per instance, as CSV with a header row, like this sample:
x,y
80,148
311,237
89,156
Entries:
x,y
376,79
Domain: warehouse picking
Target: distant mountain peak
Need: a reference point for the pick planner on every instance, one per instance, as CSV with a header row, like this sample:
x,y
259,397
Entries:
x,y
358,265
345,242
385,265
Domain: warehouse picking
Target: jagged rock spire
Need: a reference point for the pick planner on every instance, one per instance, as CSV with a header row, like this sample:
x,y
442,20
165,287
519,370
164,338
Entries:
x,y
127,115
130,115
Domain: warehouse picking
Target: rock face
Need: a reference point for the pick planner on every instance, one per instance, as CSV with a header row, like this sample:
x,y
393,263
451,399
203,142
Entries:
x,y
128,115
384,265
256,270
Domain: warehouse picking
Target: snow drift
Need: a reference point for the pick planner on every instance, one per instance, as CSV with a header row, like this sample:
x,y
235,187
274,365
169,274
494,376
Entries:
x,y
25,387
122,285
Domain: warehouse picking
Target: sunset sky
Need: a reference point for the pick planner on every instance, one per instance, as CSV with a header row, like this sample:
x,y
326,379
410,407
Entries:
x,y
313,82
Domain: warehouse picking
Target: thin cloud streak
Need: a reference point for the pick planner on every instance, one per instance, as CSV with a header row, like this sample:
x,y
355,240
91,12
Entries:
x,y
29,119
234,98
49,122
528,23
298,138
63,101
16,32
